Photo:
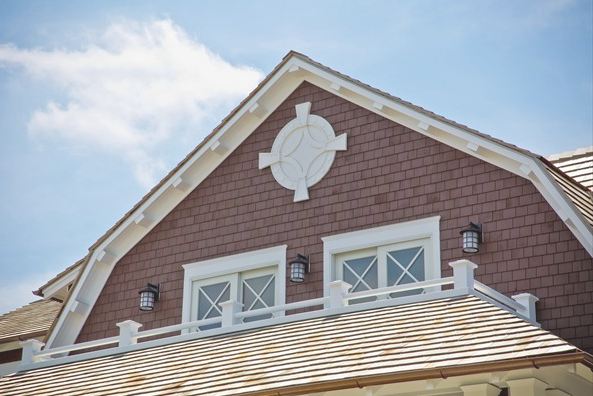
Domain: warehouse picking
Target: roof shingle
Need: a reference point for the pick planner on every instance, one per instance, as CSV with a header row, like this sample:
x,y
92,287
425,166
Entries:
x,y
31,320
403,339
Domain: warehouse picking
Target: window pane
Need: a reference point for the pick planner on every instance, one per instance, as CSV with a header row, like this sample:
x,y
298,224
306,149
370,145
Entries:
x,y
362,274
405,266
209,298
258,292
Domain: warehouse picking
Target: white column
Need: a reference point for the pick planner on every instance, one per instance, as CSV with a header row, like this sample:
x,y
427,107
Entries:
x,y
463,274
528,302
527,387
229,311
480,390
128,332
337,293
30,349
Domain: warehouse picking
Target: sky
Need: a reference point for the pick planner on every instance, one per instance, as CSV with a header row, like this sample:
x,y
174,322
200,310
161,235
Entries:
x,y
98,100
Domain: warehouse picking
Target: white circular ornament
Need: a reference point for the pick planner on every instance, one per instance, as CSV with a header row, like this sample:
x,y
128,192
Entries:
x,y
303,152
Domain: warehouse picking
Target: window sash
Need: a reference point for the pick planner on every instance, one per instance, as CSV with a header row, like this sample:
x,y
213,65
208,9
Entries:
x,y
381,253
236,282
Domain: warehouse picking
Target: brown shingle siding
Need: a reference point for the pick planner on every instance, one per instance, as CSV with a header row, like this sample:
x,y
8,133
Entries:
x,y
388,174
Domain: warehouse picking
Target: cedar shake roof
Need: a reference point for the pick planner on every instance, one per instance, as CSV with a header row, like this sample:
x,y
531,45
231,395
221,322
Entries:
x,y
29,321
445,337
579,195
578,164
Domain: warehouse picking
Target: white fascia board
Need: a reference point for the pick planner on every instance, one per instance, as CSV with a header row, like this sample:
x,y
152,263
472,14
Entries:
x,y
562,205
52,289
242,126
69,324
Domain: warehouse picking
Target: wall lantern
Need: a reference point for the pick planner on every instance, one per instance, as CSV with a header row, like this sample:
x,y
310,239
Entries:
x,y
472,237
298,267
148,296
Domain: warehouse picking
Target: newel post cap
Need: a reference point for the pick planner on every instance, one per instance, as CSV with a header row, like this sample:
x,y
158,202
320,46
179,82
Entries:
x,y
30,348
527,301
463,274
337,293
128,330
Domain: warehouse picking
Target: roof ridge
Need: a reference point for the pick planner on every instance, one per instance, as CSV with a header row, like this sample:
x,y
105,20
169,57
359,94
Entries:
x,y
580,151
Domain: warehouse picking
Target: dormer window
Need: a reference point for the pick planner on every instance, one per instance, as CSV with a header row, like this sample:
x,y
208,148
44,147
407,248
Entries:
x,y
384,256
254,279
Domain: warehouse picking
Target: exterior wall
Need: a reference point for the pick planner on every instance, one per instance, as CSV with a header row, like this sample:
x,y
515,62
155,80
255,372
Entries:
x,y
13,355
388,174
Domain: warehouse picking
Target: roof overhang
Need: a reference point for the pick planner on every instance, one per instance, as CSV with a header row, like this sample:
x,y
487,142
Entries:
x,y
242,121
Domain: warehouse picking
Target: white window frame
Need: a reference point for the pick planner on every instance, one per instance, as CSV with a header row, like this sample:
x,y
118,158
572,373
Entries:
x,y
227,266
384,236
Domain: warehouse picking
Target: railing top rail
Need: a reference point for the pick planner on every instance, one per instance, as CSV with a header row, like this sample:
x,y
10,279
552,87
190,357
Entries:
x,y
462,280
501,298
178,327
399,288
79,346
284,307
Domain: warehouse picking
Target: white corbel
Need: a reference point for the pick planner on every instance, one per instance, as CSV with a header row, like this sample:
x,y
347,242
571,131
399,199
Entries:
x,y
525,170
473,146
180,184
144,220
219,148
79,307
258,110
378,106
335,86
105,257
424,126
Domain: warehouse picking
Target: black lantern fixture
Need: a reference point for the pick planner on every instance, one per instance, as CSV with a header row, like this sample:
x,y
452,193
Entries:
x,y
148,296
472,237
298,267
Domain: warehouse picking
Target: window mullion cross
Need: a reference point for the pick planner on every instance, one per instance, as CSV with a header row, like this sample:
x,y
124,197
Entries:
x,y
258,295
361,278
405,269
216,301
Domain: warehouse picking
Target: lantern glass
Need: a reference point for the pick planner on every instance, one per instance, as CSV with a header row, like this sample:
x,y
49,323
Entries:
x,y
146,300
471,239
297,272
148,296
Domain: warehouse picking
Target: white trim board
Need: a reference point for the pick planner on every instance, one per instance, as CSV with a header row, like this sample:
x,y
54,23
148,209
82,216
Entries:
x,y
55,287
289,75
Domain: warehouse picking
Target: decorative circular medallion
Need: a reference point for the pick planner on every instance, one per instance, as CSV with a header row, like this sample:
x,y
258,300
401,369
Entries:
x,y
303,152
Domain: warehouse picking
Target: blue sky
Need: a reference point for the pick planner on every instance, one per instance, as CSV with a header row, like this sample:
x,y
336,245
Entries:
x,y
99,99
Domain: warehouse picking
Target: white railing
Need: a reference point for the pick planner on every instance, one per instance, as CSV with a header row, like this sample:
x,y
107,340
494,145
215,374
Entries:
x,y
338,300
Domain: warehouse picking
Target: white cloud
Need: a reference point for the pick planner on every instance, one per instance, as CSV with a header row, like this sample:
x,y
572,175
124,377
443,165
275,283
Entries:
x,y
132,89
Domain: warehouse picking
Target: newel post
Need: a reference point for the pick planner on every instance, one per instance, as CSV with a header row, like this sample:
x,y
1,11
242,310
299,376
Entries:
x,y
30,349
337,293
128,332
463,274
527,301
230,309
